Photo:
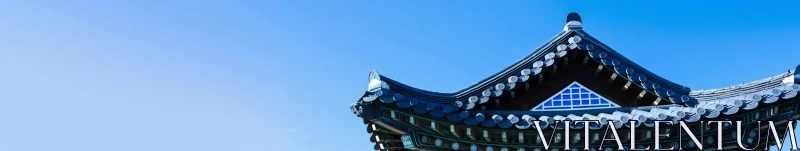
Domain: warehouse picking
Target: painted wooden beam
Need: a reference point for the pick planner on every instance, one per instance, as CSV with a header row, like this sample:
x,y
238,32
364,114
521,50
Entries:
x,y
613,77
504,137
585,60
454,131
641,95
486,136
435,128
469,134
658,100
599,68
626,86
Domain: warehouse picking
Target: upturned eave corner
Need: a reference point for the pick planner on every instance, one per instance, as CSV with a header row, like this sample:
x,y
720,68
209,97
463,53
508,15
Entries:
x,y
363,107
374,82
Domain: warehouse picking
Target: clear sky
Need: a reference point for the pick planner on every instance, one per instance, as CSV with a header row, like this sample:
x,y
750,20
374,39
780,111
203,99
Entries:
x,y
202,75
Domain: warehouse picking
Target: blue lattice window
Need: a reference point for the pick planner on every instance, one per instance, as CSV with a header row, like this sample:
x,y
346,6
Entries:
x,y
575,97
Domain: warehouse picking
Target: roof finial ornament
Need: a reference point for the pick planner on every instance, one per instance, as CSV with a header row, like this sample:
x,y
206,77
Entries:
x,y
573,16
574,22
375,82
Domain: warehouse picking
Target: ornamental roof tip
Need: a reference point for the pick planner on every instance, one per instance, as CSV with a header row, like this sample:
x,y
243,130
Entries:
x,y
573,16
574,22
375,81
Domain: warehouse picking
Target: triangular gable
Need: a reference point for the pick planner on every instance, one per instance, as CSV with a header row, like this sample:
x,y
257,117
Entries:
x,y
575,97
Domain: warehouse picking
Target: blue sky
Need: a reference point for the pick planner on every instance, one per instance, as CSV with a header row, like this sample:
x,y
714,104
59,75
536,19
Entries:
x,y
280,75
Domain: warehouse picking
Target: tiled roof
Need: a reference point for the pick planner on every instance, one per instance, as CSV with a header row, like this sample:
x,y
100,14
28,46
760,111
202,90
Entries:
x,y
457,106
573,38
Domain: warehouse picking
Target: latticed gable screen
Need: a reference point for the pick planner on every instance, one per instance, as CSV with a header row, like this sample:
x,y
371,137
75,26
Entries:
x,y
575,97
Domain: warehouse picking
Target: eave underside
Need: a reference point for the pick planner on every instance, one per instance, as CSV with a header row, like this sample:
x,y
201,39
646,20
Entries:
x,y
498,138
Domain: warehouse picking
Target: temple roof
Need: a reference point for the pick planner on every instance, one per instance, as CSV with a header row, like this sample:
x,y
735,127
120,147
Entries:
x,y
572,37
458,106
386,99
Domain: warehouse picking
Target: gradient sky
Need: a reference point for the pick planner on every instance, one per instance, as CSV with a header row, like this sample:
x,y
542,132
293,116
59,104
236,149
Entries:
x,y
280,75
